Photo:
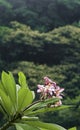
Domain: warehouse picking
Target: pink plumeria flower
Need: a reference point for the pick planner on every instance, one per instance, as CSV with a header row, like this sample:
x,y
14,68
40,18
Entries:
x,y
50,90
49,81
58,92
40,88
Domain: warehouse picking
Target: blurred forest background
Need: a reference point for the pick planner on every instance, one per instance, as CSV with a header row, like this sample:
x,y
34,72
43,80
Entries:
x,y
42,38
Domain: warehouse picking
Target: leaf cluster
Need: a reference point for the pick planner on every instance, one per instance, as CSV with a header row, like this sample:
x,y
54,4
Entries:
x,y
17,107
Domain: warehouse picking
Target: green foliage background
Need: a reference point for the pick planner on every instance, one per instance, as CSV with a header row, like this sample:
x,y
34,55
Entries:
x,y
42,38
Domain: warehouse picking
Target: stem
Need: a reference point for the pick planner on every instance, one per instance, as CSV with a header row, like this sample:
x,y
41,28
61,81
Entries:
x,y
3,109
32,105
9,123
5,126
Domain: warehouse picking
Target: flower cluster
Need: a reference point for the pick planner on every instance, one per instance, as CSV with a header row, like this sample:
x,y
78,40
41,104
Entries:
x,y
50,90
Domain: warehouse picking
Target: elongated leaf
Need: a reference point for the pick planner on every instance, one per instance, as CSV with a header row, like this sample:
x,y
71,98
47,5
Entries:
x,y
6,103
1,86
42,129
41,104
22,80
9,86
20,126
47,126
44,103
47,109
25,98
33,93
26,118
74,128
17,87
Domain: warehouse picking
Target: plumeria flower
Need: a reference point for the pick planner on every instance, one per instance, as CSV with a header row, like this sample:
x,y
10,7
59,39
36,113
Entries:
x,y
44,90
48,81
50,90
40,88
50,85
58,92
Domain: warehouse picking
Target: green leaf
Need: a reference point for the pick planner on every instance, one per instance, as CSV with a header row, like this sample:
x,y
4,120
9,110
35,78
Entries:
x,y
33,94
17,87
22,80
42,129
74,128
6,103
47,109
20,126
46,126
1,86
25,98
26,118
9,86
41,104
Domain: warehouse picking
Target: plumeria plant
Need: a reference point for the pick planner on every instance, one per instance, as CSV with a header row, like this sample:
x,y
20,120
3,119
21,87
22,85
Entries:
x,y
19,107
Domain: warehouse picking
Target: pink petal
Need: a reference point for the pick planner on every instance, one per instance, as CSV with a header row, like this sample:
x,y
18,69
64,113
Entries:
x,y
47,81
38,91
61,90
40,86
